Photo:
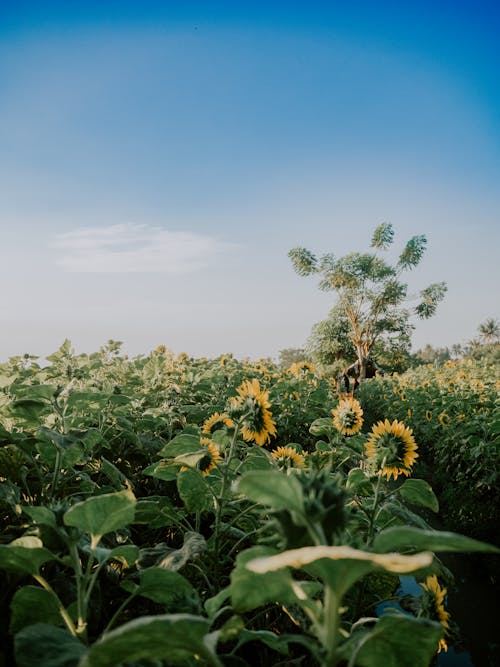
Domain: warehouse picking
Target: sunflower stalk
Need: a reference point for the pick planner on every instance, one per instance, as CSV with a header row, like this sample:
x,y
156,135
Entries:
x,y
373,510
61,608
331,624
221,500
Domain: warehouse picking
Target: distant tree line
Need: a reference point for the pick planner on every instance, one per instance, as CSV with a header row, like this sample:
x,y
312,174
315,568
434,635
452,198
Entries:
x,y
329,348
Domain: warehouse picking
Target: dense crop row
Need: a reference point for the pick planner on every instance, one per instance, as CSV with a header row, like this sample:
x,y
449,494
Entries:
x,y
164,510
454,413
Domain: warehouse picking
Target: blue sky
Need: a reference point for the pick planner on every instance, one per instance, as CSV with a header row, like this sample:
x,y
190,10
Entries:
x,y
158,160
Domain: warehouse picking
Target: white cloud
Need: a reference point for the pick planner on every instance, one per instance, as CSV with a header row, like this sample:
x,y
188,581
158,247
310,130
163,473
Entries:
x,y
130,248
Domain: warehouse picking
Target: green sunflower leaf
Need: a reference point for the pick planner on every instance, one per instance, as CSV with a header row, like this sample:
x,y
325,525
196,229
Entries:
x,y
102,514
250,590
32,604
43,645
172,637
418,492
394,641
322,426
26,554
194,491
183,443
273,488
405,537
161,585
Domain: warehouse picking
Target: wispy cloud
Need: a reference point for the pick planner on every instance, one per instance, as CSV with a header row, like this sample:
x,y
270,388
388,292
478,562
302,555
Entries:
x,y
130,248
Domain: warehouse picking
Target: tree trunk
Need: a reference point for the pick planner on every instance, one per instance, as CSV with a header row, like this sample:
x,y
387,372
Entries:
x,y
363,362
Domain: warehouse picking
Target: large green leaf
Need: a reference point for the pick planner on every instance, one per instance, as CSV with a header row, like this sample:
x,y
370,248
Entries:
x,y
194,491
172,637
273,488
256,459
277,643
33,392
181,444
32,604
26,554
164,470
418,492
406,537
322,426
102,514
250,590
162,586
27,410
42,645
395,641
126,554
70,455
41,515
341,566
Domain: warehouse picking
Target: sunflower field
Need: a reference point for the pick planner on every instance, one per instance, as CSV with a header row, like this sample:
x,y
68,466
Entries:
x,y
165,510
453,411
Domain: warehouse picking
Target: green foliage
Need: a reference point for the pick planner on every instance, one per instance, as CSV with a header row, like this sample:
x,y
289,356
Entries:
x,y
175,637
139,526
388,644
452,409
304,262
430,296
383,236
291,355
42,645
102,514
370,310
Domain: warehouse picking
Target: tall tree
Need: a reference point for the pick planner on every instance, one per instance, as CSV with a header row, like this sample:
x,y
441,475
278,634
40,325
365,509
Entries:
x,y
489,331
370,293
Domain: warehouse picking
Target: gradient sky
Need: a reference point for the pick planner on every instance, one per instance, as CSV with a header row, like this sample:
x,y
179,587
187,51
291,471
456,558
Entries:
x,y
158,161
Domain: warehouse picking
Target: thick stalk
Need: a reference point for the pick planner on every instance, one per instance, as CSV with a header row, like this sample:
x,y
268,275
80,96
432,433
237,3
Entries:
x,y
221,500
82,620
331,625
62,609
57,468
371,524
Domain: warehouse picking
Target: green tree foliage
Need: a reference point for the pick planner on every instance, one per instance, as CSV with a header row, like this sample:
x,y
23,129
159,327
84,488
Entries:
x,y
430,354
372,309
292,355
489,331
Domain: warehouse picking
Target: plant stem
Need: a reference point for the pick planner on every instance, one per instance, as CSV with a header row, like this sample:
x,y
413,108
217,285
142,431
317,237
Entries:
x,y
62,609
221,499
117,613
330,625
371,524
82,620
55,476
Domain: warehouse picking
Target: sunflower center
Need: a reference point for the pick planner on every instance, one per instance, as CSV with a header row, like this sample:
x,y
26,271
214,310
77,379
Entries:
x,y
205,462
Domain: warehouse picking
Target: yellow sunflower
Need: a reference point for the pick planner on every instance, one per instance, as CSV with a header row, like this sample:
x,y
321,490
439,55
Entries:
x,y
215,422
433,606
211,458
300,367
289,457
347,417
444,420
394,446
252,407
